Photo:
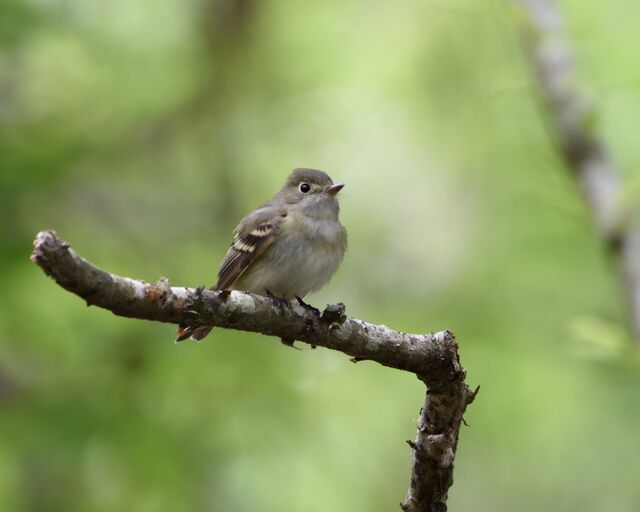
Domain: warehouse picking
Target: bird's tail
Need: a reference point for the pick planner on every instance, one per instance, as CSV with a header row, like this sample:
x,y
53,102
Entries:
x,y
196,334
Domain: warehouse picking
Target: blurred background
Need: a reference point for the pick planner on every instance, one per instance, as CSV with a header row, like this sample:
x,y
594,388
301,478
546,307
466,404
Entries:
x,y
143,131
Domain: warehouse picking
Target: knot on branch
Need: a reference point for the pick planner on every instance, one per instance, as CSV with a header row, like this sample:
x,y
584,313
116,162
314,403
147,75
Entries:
x,y
334,314
160,291
438,447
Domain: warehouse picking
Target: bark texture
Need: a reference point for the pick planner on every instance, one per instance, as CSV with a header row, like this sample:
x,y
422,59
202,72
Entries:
x,y
432,357
434,448
571,117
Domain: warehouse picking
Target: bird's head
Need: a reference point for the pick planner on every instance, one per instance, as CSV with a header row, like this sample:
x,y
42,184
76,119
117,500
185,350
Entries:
x,y
311,191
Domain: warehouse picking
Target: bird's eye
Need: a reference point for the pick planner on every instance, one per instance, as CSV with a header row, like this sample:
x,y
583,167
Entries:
x,y
304,187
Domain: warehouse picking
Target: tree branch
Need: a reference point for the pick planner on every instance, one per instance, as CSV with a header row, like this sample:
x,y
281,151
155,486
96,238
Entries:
x,y
571,119
432,357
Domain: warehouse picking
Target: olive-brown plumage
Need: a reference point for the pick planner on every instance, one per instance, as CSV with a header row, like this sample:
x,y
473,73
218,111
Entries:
x,y
289,246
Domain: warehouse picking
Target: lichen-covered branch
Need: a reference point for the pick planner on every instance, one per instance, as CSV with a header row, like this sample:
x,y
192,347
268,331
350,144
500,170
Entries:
x,y
434,448
571,124
432,357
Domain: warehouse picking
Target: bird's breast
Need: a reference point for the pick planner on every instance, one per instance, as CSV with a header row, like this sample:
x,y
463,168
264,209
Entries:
x,y
302,258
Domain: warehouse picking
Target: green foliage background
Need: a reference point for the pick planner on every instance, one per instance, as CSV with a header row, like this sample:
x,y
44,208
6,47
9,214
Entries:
x,y
142,131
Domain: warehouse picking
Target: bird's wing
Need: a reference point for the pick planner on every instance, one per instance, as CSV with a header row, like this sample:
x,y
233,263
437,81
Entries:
x,y
253,235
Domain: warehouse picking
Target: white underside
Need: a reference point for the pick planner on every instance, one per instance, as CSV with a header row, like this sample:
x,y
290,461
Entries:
x,y
297,263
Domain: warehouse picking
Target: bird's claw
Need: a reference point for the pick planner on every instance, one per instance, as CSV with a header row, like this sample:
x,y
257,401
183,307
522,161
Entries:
x,y
278,301
308,307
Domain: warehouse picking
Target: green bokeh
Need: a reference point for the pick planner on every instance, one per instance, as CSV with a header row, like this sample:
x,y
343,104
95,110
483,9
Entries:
x,y
142,131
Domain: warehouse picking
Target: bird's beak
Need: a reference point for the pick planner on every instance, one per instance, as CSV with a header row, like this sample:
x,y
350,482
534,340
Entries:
x,y
332,190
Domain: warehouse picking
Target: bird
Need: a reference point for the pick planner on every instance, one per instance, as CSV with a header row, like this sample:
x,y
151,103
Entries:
x,y
286,248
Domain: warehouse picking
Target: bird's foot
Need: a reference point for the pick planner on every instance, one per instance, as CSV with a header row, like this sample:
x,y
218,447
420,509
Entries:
x,y
308,307
278,301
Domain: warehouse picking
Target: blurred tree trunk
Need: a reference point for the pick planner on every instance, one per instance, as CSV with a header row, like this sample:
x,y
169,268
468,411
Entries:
x,y
224,29
570,121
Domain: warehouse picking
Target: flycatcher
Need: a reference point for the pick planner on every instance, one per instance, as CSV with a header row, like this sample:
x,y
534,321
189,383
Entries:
x,y
290,246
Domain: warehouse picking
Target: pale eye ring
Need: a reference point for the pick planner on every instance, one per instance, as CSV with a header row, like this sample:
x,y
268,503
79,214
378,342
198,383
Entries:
x,y
304,188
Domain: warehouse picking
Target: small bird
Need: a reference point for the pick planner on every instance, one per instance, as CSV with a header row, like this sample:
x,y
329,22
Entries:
x,y
288,247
